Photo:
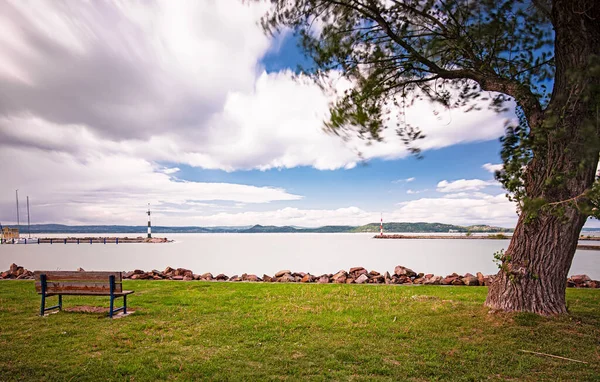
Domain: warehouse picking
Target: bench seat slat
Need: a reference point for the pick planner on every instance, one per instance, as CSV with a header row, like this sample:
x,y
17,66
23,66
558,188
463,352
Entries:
x,y
64,286
79,293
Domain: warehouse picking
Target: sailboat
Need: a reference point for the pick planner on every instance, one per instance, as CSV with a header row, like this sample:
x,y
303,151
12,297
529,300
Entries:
x,y
28,239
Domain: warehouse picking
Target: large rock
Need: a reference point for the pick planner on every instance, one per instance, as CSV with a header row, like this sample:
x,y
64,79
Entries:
x,y
308,278
481,278
323,279
281,273
207,276
286,278
178,278
221,277
267,278
341,273
188,278
253,278
13,268
433,280
378,279
470,280
168,271
362,279
357,270
400,271
340,280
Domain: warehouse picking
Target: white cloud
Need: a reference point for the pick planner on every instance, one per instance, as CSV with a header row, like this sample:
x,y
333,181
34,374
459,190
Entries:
x,y
179,82
412,192
96,95
465,185
113,189
460,209
493,167
407,180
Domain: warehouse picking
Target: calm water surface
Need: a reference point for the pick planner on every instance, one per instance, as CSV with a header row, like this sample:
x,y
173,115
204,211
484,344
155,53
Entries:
x,y
268,253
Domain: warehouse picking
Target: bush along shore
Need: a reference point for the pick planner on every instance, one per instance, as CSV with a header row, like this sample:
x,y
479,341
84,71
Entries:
x,y
357,275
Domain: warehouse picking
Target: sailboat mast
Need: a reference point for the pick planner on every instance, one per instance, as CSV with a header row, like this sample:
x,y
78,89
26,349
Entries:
x,y
18,220
28,223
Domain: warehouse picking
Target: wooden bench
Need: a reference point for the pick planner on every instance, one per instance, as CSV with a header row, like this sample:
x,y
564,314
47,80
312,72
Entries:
x,y
75,283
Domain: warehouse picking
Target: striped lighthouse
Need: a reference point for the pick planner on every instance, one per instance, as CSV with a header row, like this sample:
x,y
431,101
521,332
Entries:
x,y
149,225
381,226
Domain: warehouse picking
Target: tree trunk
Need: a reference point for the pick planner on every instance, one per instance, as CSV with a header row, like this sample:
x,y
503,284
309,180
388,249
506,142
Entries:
x,y
565,156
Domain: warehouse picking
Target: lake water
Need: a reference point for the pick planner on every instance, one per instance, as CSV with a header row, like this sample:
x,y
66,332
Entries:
x,y
268,253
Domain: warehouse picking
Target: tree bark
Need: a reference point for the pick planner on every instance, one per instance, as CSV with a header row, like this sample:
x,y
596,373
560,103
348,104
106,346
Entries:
x,y
565,156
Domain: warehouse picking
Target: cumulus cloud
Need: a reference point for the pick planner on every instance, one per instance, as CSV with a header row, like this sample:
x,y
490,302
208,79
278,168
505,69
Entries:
x,y
493,167
464,185
96,95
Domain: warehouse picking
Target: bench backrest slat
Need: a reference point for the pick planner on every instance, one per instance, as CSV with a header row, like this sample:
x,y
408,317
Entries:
x,y
75,281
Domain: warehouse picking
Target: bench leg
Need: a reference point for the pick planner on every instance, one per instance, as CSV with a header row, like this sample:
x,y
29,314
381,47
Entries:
x,y
124,304
112,305
43,305
60,302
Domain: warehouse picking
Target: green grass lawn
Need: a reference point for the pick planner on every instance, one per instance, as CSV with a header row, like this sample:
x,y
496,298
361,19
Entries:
x,y
245,331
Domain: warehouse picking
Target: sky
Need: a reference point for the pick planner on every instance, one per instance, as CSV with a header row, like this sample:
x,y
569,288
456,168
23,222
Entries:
x,y
108,106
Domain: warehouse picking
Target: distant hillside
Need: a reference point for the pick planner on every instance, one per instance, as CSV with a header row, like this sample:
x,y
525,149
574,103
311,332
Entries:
x,y
162,230
428,227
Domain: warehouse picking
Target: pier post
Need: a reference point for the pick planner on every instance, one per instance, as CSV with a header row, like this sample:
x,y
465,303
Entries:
x,y
50,241
91,241
65,241
77,241
117,242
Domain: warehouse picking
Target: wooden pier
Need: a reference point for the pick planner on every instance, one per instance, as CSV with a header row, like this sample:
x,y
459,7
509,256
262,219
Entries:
x,y
87,240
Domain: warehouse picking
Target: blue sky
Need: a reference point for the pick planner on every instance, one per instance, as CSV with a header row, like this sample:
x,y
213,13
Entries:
x,y
189,106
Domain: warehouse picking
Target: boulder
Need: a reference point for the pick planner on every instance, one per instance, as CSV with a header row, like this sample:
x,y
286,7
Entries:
x,y
470,280
400,271
235,278
379,279
188,273
434,280
80,269
349,280
187,278
356,269
341,273
128,275
138,272
168,270
594,284
481,278
13,268
158,273
457,281
418,280
308,278
221,277
340,280
286,278
253,278
374,273
266,278
361,279
387,276
281,273
178,278
323,280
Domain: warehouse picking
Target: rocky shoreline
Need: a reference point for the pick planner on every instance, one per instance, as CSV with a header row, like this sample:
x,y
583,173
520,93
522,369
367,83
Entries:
x,y
356,275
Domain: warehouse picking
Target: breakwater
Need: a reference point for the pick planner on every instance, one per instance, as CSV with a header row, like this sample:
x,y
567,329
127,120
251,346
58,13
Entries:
x,y
87,240
500,236
355,275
